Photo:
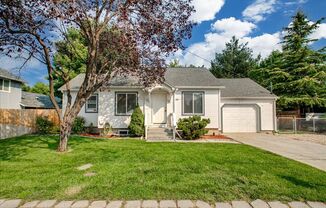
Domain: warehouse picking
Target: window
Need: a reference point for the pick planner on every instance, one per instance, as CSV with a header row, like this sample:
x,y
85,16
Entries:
x,y
4,85
193,103
125,102
91,104
123,132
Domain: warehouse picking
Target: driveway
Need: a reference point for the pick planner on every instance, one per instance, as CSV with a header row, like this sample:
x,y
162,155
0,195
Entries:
x,y
306,152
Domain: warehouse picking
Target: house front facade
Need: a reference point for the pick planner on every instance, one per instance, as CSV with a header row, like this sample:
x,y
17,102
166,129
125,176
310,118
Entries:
x,y
185,92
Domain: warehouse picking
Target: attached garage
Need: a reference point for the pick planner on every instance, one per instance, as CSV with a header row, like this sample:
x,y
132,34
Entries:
x,y
246,107
240,118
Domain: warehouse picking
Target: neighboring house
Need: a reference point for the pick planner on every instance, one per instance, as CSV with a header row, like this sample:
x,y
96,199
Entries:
x,y
36,101
232,105
10,90
12,96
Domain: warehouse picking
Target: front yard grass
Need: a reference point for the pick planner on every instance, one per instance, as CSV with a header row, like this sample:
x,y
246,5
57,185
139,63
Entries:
x,y
30,168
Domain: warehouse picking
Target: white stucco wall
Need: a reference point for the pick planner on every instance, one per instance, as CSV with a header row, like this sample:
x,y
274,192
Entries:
x,y
106,111
89,117
211,105
267,110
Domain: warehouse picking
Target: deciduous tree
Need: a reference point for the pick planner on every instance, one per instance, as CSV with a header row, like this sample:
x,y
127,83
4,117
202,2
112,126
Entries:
x,y
129,37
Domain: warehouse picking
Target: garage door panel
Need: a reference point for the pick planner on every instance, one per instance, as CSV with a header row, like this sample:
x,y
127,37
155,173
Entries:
x,y
239,118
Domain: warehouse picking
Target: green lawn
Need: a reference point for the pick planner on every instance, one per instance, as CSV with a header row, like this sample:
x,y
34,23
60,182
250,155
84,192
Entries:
x,y
30,168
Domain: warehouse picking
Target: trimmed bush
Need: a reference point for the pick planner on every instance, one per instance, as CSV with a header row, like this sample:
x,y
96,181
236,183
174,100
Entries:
x,y
78,125
44,125
192,127
136,126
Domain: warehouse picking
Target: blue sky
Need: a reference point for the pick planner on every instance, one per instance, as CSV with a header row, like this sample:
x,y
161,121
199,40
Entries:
x,y
258,22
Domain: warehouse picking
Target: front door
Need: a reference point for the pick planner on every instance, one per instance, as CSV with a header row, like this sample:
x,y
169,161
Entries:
x,y
159,108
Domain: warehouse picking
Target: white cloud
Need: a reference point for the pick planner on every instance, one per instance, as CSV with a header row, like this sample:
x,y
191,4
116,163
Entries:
x,y
256,11
320,32
231,26
201,53
206,10
263,44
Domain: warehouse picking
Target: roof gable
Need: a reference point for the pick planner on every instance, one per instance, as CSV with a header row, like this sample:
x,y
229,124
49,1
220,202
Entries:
x,y
8,75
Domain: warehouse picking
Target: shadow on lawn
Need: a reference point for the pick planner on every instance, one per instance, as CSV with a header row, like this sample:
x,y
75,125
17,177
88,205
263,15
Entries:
x,y
299,182
19,146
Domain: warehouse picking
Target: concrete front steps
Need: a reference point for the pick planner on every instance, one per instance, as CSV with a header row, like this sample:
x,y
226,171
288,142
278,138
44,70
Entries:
x,y
159,133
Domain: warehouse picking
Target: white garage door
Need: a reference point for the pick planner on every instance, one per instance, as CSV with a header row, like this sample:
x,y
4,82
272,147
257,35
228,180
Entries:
x,y
238,118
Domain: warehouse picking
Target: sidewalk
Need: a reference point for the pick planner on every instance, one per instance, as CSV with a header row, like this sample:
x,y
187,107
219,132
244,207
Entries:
x,y
15,203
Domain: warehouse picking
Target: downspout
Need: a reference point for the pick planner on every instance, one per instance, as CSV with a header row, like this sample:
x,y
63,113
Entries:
x,y
274,115
144,111
219,111
174,116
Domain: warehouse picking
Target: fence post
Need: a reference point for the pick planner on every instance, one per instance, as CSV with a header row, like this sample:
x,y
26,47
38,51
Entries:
x,y
295,124
313,124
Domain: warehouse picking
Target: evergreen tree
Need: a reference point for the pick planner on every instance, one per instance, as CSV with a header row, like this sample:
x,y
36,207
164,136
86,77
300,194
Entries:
x,y
70,57
235,60
137,122
298,73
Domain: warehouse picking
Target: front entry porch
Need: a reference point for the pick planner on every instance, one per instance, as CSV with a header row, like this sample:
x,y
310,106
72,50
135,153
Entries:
x,y
159,112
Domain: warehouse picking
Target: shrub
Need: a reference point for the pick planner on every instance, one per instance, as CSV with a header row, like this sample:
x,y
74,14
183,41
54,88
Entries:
x,y
44,125
78,125
193,127
136,126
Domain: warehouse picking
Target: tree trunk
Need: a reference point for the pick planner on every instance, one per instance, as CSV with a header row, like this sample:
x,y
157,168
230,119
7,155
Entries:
x,y
65,131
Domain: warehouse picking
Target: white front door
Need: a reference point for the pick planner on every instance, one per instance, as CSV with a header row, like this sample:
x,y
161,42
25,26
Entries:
x,y
159,108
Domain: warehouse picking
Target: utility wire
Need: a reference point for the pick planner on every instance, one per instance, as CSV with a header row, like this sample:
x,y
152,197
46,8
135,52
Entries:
x,y
199,57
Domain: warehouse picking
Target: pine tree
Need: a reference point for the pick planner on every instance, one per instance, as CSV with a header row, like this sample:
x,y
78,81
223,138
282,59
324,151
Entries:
x,y
235,60
298,73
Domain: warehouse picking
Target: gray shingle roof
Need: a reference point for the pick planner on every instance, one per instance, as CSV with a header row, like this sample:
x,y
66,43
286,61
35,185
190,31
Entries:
x,y
194,77
35,100
243,87
8,75
191,77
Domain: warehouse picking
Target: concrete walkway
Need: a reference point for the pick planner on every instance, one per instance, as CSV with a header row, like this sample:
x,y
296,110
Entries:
x,y
306,152
155,204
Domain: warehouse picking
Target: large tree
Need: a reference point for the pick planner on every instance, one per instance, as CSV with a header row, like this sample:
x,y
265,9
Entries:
x,y
129,37
234,61
298,73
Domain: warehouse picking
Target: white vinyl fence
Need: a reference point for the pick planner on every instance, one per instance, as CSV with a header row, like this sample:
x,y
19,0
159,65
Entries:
x,y
298,125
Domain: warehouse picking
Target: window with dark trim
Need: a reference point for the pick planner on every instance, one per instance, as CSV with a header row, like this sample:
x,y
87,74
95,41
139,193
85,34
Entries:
x,y
192,103
125,102
91,104
5,85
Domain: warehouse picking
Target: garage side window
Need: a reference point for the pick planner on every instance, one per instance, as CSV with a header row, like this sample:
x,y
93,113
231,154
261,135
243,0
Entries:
x,y
193,103
125,103
91,104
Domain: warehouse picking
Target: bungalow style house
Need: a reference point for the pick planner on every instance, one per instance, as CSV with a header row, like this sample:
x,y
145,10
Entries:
x,y
232,105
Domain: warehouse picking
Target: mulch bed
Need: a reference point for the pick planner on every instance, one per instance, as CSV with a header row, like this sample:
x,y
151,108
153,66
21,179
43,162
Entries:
x,y
218,136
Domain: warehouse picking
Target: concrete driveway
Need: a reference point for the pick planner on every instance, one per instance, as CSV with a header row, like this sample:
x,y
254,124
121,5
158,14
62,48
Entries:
x,y
306,152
